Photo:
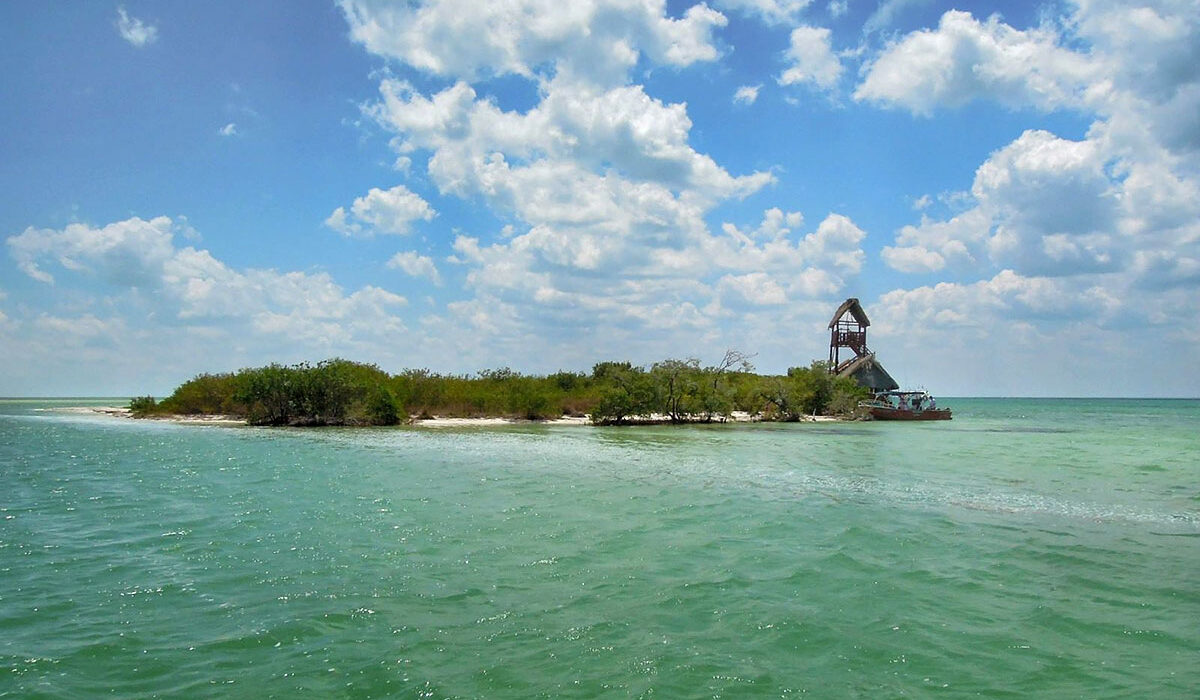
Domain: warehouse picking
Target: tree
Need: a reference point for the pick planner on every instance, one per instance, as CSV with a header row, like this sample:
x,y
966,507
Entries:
x,y
204,393
608,371
267,394
381,407
846,395
714,396
788,395
528,399
628,392
675,382
142,406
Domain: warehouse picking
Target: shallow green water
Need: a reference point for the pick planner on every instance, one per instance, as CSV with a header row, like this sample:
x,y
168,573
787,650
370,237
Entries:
x,y
1046,548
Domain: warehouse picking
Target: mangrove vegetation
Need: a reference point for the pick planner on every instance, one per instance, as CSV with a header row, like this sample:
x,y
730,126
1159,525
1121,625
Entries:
x,y
342,392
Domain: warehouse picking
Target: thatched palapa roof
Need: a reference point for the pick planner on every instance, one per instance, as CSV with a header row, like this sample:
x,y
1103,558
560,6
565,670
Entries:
x,y
870,374
855,309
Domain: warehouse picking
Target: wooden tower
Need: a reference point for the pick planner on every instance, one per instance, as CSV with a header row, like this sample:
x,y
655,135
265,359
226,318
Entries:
x,y
848,329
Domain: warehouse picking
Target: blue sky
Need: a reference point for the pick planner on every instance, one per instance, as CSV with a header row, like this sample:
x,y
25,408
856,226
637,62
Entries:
x,y
1011,189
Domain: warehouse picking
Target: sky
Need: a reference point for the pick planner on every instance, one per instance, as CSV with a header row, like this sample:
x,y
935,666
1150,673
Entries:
x,y
1011,189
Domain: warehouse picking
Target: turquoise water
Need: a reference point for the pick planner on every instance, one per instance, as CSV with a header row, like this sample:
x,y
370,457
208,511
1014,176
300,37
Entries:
x,y
1046,548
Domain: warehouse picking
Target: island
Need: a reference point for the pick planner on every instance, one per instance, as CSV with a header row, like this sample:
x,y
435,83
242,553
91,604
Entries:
x,y
343,392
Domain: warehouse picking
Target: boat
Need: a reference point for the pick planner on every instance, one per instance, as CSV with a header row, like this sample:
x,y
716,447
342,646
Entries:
x,y
904,405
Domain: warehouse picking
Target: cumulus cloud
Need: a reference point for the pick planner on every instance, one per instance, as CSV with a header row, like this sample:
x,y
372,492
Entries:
x,y
646,280
1076,328
381,211
1074,242
964,59
771,11
746,94
603,179
194,286
811,59
1134,65
622,130
599,41
752,289
415,265
887,12
229,129
602,200
134,30
1043,205
1052,205
1122,200
934,245
126,253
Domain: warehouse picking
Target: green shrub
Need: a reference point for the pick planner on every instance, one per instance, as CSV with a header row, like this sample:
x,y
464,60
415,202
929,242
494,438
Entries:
x,y
142,406
381,407
341,392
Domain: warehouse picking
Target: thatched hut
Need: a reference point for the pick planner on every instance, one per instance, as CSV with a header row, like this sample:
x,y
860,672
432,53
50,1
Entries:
x,y
848,330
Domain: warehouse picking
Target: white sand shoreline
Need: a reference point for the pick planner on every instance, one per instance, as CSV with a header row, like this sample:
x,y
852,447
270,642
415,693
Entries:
x,y
433,422
124,412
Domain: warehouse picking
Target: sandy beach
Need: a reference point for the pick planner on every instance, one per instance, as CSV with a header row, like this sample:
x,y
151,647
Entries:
x,y
124,412
433,422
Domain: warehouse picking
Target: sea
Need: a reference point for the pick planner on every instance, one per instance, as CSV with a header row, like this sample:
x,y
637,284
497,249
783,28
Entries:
x,y
1045,548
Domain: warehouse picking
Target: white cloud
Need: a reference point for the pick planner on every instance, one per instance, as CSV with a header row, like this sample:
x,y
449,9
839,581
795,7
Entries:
x,y
126,253
415,265
1084,335
1148,47
195,288
1052,204
913,258
752,288
837,8
965,59
746,94
1091,243
772,11
811,59
934,245
381,211
1122,199
134,30
602,201
835,245
652,282
81,328
622,130
887,12
599,41
229,129
1043,205
1135,65
603,180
